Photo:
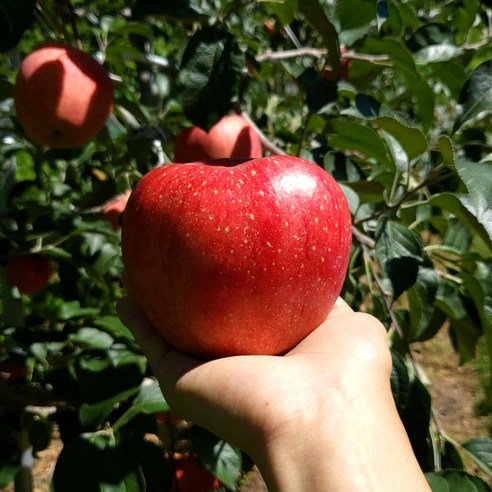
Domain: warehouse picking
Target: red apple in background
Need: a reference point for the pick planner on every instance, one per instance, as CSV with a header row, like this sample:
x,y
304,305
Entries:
x,y
189,476
343,74
62,96
230,137
28,272
113,209
234,259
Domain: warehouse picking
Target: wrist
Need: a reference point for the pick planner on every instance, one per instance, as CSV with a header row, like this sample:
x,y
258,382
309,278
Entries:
x,y
358,445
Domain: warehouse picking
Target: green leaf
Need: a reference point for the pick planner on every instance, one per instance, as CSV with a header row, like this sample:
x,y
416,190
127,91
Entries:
x,y
399,253
415,415
98,462
458,237
217,456
92,338
73,309
460,206
455,481
285,10
208,76
477,178
397,152
447,150
148,400
410,138
465,328
95,414
319,91
366,14
368,106
425,318
476,95
114,326
451,74
480,449
352,136
403,62
400,381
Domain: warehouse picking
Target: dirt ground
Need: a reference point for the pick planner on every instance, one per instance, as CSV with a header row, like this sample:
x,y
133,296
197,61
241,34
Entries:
x,y
456,395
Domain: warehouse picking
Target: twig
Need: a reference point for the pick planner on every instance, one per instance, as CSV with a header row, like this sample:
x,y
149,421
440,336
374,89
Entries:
x,y
286,54
362,238
317,53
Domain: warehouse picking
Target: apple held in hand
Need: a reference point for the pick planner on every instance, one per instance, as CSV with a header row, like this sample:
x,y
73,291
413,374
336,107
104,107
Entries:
x,y
230,137
237,257
62,96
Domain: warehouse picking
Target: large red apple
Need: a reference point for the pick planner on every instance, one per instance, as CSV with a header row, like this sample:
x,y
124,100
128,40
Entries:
x,y
63,96
28,272
234,258
231,137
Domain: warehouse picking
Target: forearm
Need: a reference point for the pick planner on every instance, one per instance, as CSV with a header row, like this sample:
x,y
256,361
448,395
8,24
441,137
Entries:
x,y
362,447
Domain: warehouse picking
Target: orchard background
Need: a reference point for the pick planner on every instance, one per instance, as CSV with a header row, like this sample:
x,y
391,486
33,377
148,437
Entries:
x,y
392,97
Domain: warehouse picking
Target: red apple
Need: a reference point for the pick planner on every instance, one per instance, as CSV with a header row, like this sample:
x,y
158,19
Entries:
x,y
230,137
62,96
28,272
232,258
13,372
191,477
113,209
343,74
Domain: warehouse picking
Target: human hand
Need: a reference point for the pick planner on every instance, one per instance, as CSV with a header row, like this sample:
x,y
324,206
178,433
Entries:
x,y
332,388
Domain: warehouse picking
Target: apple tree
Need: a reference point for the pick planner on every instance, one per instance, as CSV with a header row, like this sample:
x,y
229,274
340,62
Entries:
x,y
392,98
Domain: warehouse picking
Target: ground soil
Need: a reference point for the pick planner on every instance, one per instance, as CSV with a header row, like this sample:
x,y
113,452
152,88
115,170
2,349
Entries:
x,y
457,393
456,396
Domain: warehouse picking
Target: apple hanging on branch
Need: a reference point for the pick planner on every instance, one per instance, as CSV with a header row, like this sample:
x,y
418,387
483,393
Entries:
x,y
62,96
233,257
29,272
113,209
231,137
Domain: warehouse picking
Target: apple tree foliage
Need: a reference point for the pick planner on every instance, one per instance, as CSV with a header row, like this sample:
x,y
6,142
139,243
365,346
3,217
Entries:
x,y
406,130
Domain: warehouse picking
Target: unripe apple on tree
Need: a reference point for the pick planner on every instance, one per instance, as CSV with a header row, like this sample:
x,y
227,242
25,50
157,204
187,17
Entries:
x,y
237,257
28,272
62,96
113,209
231,137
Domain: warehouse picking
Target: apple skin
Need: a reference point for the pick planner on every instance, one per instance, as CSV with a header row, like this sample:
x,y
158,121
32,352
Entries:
x,y
231,137
28,272
246,258
62,96
113,209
